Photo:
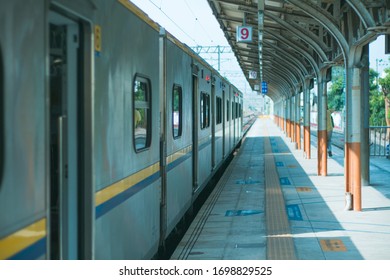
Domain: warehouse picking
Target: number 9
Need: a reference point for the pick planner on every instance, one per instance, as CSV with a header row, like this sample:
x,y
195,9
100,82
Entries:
x,y
244,33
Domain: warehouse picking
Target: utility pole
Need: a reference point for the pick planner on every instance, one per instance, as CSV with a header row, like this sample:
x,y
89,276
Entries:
x,y
213,49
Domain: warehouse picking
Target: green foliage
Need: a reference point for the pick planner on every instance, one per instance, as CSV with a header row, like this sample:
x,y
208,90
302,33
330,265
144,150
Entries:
x,y
336,94
377,108
385,82
377,101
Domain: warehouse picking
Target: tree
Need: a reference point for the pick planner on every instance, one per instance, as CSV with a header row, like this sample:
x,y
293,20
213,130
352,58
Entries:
x,y
385,85
378,110
377,103
335,94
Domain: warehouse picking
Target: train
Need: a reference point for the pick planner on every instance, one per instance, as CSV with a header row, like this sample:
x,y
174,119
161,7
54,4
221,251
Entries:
x,y
110,129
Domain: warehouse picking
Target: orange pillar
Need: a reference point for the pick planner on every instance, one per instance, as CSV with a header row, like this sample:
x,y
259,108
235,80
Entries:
x,y
353,176
306,119
322,153
299,136
321,130
353,137
288,128
281,122
306,136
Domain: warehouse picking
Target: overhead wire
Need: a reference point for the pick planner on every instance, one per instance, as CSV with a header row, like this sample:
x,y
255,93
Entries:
x,y
160,8
172,20
196,19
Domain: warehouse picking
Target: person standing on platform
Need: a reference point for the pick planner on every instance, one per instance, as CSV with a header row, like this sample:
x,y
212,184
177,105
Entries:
x,y
329,128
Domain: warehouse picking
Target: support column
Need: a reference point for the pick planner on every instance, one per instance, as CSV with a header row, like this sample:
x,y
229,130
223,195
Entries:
x,y
288,101
353,137
298,120
365,108
292,120
321,129
285,116
306,120
281,108
280,123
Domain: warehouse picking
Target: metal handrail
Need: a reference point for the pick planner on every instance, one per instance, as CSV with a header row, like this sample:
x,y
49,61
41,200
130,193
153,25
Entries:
x,y
379,140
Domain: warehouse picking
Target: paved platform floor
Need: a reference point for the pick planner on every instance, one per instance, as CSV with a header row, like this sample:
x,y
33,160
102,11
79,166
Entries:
x,y
233,222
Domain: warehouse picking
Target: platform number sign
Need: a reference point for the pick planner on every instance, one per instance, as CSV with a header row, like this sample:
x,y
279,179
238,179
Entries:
x,y
244,34
264,87
252,75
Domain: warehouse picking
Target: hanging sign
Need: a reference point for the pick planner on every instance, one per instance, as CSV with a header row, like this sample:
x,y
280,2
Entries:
x,y
264,87
98,40
244,34
252,75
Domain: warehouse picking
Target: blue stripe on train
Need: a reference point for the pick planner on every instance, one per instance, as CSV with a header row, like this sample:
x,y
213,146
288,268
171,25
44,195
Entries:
x,y
179,161
32,252
123,196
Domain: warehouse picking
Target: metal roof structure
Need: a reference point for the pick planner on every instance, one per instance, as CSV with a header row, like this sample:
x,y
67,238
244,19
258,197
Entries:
x,y
293,40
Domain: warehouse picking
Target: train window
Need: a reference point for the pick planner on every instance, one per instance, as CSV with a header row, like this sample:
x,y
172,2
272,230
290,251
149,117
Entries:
x,y
227,110
177,111
204,110
233,110
219,110
142,113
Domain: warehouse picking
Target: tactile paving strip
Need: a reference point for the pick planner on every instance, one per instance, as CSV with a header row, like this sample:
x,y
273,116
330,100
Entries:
x,y
280,245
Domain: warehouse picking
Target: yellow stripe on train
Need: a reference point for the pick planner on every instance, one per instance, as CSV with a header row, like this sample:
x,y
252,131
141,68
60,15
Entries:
x,y
21,239
124,184
175,156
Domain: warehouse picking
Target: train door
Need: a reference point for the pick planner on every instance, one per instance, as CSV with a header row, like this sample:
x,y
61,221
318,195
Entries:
x,y
64,146
2,108
228,133
213,125
195,124
223,123
234,115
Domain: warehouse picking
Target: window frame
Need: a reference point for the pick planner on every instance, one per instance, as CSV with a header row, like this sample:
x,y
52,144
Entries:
x,y
218,110
233,110
180,117
147,104
227,110
204,110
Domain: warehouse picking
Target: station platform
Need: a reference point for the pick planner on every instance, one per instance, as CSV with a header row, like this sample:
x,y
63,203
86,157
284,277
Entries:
x,y
270,204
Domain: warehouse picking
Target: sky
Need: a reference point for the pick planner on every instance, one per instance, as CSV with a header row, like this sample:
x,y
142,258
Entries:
x,y
192,22
377,54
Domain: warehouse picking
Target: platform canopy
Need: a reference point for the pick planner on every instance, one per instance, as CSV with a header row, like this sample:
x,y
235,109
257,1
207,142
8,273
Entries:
x,y
286,43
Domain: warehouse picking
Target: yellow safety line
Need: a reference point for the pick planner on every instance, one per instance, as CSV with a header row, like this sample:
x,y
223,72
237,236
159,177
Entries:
x,y
280,245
